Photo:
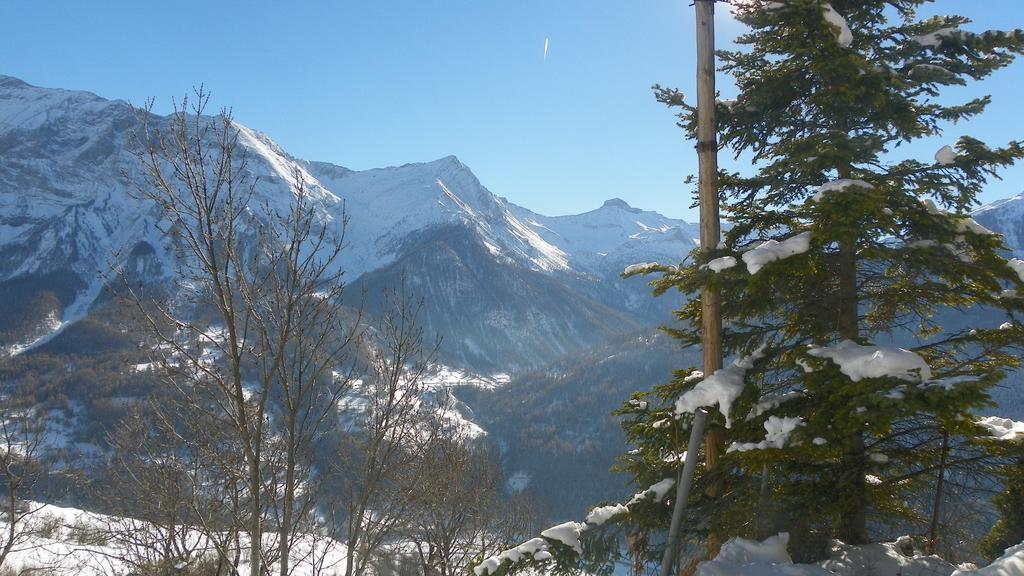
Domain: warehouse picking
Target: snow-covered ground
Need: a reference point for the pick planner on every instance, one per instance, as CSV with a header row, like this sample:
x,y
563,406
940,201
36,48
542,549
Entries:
x,y
741,557
72,541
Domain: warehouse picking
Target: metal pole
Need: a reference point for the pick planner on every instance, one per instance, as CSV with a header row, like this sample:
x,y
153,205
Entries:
x,y
683,491
762,505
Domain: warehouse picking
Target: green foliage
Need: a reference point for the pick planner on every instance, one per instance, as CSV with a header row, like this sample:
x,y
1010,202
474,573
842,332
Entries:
x,y
893,257
1009,531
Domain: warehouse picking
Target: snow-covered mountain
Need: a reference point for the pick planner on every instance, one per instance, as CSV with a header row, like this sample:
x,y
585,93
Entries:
x,y
613,236
507,288
70,209
1007,218
389,205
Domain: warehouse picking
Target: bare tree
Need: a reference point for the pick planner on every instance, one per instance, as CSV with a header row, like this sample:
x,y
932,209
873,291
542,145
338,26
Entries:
x,y
386,431
305,311
173,488
148,490
255,330
461,512
22,436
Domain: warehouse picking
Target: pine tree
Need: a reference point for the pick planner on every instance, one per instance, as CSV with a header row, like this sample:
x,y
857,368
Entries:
x,y
837,249
1009,530
837,252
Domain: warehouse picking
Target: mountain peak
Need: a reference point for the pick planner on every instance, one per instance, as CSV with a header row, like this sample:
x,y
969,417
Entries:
x,y
11,82
617,203
1003,204
449,161
27,107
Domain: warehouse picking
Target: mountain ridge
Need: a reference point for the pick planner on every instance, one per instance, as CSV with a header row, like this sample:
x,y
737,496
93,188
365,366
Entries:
x,y
68,167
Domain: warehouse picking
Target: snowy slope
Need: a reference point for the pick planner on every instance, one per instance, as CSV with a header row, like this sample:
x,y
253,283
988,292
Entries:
x,y
64,151
388,205
1007,218
62,540
65,208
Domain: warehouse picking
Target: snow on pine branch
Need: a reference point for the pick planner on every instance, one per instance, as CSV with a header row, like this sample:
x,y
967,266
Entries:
x,y
946,156
777,433
859,362
839,186
771,402
756,257
719,264
772,250
568,533
843,34
657,492
934,39
722,388
963,223
933,74
1002,428
536,548
1017,265
834,19
640,268
598,516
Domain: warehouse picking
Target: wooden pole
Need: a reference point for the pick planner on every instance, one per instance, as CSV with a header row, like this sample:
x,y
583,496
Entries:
x,y
707,157
710,226
710,236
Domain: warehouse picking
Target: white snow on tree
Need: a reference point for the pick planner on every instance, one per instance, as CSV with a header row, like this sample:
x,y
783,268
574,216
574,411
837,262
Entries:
x,y
839,186
772,250
721,388
843,34
946,156
1002,428
777,433
859,362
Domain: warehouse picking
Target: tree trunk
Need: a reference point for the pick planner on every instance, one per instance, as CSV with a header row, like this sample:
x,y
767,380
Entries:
x,y
284,545
853,523
12,534
352,542
255,522
710,227
763,523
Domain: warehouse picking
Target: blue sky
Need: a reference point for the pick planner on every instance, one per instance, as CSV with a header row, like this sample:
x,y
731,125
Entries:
x,y
385,82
